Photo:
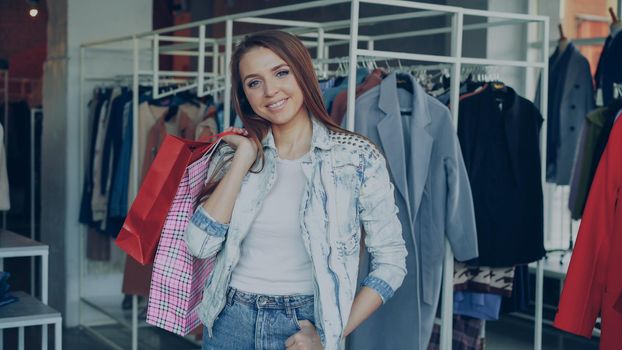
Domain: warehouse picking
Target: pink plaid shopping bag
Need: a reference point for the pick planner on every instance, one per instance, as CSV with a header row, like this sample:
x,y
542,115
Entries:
x,y
178,278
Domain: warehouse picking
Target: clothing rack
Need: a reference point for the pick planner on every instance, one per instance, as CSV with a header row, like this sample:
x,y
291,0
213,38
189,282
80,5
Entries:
x,y
150,45
563,191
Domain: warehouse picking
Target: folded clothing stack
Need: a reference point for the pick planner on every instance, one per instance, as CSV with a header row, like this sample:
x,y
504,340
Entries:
x,y
5,297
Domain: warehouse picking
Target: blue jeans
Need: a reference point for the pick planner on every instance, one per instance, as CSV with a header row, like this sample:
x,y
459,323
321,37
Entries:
x,y
258,322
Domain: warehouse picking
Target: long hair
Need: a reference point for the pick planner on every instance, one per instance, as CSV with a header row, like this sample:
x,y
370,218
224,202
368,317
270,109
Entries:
x,y
291,50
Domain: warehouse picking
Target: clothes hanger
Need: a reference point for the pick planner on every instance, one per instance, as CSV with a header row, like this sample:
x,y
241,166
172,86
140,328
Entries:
x,y
496,82
616,24
563,40
403,80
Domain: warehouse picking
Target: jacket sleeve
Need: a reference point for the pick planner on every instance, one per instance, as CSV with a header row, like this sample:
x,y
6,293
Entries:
x,y
585,284
460,227
580,170
204,235
590,102
383,231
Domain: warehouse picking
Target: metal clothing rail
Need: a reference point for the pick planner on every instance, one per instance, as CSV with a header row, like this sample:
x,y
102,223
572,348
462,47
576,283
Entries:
x,y
207,78
457,60
5,123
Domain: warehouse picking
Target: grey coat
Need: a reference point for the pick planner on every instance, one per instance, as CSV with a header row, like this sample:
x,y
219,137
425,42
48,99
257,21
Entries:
x,y
434,200
576,102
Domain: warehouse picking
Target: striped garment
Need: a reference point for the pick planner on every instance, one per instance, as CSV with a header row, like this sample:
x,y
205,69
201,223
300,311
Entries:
x,y
484,279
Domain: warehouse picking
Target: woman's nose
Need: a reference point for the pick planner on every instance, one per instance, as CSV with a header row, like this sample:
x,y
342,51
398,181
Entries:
x,y
270,88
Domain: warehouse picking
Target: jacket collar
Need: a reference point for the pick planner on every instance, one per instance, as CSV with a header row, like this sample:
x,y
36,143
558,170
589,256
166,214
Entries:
x,y
320,138
394,145
388,101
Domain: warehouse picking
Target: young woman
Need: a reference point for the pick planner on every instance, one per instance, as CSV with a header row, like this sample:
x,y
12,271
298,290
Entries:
x,y
283,210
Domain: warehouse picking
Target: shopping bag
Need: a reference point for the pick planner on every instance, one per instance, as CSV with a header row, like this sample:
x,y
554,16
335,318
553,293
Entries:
x,y
178,278
144,222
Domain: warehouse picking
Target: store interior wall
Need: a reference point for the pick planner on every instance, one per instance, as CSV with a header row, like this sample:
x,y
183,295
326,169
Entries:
x,y
23,38
508,43
72,22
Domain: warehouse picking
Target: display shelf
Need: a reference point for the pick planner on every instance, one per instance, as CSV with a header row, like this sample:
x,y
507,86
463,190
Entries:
x,y
13,245
27,311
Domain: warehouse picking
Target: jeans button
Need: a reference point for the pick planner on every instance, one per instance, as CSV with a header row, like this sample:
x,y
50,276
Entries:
x,y
262,301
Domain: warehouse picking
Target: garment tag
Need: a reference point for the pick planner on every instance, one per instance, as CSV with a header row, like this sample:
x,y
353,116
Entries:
x,y
599,97
499,104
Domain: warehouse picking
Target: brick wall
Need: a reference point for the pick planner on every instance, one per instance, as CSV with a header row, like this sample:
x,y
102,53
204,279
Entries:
x,y
587,29
23,39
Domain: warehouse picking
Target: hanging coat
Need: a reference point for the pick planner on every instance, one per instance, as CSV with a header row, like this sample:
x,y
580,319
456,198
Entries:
x,y
571,97
609,70
499,133
434,200
593,285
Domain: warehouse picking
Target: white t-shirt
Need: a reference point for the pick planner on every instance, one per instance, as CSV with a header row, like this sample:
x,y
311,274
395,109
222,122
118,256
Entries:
x,y
273,258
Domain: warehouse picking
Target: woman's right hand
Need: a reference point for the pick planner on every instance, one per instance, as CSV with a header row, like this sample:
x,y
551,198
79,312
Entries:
x,y
245,148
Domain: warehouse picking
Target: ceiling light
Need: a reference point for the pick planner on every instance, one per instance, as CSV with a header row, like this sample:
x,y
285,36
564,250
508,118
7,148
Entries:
x,y
33,7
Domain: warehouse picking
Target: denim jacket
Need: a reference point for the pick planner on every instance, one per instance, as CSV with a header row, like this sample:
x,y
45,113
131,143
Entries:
x,y
347,186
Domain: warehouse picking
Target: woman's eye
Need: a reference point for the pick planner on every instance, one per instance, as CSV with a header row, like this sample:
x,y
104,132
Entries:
x,y
252,83
282,73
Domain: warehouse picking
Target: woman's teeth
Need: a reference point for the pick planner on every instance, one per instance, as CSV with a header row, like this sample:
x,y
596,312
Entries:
x,y
277,104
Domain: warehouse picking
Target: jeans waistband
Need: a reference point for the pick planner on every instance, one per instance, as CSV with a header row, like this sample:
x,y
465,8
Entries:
x,y
269,301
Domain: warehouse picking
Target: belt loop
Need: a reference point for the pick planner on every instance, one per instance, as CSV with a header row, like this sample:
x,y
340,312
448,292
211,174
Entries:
x,y
230,295
288,308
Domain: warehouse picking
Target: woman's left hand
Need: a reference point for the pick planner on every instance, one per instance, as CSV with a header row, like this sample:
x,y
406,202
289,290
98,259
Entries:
x,y
306,339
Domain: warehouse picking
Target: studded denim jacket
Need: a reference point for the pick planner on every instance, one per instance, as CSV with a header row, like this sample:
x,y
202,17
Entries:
x,y
348,186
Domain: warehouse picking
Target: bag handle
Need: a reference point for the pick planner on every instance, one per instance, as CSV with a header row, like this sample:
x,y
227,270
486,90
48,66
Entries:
x,y
219,136
208,143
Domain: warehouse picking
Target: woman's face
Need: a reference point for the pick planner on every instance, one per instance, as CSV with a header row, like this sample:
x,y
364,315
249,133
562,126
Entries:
x,y
270,87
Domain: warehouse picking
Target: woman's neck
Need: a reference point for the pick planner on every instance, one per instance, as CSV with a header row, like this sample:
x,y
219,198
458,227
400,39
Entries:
x,y
293,140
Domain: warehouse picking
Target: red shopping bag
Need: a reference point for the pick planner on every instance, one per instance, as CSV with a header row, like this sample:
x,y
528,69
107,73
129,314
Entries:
x,y
143,225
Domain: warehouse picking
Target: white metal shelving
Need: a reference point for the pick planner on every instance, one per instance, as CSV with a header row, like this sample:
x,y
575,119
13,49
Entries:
x,y
28,311
326,35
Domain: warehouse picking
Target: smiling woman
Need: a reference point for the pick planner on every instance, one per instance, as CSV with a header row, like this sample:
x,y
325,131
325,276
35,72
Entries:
x,y
279,226
274,94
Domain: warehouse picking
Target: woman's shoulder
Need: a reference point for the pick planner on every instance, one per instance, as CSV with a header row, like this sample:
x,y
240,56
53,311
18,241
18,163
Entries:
x,y
221,154
351,143
222,149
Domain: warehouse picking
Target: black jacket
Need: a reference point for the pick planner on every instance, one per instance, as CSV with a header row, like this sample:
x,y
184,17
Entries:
x,y
609,69
499,136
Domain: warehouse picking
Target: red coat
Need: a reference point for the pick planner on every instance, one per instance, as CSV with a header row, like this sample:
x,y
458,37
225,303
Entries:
x,y
593,285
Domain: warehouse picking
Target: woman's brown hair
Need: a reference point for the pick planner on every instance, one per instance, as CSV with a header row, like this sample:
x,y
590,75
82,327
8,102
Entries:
x,y
289,48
